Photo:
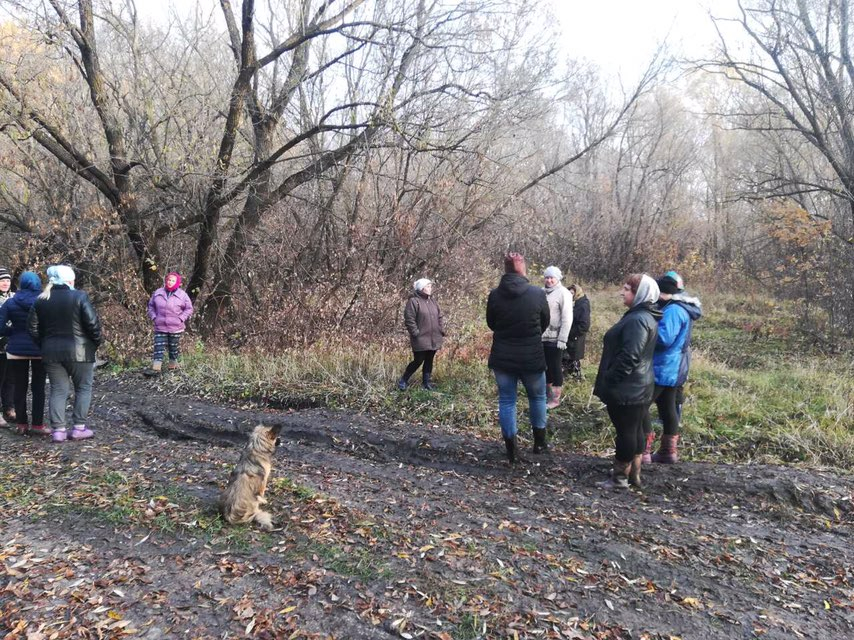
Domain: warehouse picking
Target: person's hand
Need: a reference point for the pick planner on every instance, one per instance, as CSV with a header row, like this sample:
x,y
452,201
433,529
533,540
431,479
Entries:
x,y
561,345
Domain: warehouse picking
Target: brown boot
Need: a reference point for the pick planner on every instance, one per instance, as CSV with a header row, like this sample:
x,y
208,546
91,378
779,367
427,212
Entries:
x,y
667,453
173,365
619,478
635,471
555,399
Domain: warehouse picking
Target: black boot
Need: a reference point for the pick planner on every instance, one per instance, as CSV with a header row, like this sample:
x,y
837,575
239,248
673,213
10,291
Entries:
x,y
510,443
541,444
427,382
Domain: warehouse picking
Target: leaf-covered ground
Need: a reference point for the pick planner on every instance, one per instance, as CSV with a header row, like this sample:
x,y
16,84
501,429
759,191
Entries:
x,y
388,529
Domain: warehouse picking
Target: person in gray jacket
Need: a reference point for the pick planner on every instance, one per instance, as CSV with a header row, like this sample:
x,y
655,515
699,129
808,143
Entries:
x,y
556,336
426,327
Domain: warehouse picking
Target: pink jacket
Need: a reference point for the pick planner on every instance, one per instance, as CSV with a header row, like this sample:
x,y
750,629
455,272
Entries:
x,y
170,311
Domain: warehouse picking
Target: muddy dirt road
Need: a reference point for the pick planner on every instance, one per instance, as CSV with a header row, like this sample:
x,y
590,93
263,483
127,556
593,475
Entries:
x,y
386,529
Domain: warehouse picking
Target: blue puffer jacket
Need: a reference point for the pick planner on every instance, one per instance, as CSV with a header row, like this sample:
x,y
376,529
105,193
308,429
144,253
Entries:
x,y
672,358
15,311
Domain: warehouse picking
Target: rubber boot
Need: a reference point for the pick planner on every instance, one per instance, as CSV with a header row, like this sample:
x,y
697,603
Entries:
x,y
635,471
541,444
155,369
511,445
647,452
173,365
427,382
555,399
667,452
39,430
619,478
402,383
21,429
59,435
549,394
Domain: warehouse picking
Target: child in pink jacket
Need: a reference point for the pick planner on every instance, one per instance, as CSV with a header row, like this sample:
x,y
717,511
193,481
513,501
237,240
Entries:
x,y
169,308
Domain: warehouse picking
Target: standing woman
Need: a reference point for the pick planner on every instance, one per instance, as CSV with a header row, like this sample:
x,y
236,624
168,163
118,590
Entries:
x,y
625,381
426,327
22,354
574,353
64,324
7,387
556,335
169,308
518,313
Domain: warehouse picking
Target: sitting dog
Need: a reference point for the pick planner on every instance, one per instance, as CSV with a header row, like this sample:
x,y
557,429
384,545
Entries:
x,y
241,500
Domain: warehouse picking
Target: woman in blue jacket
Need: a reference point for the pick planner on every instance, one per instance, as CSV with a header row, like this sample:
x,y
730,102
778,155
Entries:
x,y
23,355
671,362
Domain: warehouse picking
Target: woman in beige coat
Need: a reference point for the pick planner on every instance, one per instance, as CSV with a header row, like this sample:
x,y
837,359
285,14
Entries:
x,y
555,337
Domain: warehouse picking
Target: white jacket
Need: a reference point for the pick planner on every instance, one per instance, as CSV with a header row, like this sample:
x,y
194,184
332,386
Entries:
x,y
560,307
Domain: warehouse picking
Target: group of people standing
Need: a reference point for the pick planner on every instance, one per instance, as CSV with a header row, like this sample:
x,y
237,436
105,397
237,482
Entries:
x,y
52,334
538,334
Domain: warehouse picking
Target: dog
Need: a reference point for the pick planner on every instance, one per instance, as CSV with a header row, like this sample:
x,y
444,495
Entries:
x,y
242,498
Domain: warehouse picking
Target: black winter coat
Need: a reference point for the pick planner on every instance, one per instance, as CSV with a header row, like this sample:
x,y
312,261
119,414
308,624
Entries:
x,y
517,313
625,371
65,326
579,329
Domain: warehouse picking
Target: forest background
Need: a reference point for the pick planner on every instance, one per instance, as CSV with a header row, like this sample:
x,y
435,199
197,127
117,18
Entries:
x,y
301,162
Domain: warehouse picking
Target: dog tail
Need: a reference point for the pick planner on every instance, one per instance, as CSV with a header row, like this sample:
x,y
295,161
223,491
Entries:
x,y
264,520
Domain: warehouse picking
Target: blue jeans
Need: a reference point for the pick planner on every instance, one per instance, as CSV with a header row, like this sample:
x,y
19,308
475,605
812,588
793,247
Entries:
x,y
535,385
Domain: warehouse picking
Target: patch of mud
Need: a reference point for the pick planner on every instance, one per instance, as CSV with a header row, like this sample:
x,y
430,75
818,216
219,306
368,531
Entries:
x,y
393,530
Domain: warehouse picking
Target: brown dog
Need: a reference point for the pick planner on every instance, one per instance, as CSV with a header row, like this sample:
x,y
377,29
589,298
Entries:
x,y
244,495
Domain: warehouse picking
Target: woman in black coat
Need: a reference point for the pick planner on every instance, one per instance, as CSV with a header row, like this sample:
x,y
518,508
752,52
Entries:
x,y
518,313
67,329
574,353
625,380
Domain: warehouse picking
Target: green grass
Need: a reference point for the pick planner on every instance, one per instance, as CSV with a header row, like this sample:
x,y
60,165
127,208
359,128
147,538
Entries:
x,y
758,388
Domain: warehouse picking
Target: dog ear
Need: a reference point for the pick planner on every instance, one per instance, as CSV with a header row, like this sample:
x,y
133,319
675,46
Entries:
x,y
274,430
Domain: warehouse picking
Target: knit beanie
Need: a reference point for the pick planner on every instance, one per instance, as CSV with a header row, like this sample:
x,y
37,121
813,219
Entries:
x,y
515,263
177,281
553,272
420,284
4,274
670,282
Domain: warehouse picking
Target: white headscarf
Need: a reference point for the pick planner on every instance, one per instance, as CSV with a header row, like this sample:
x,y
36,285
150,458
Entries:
x,y
647,291
61,274
421,283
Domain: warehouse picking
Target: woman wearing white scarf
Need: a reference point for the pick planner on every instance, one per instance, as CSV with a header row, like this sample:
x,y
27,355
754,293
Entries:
x,y
625,381
556,336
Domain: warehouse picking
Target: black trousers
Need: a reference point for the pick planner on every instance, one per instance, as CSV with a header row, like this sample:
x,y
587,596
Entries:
x,y
7,385
666,399
19,371
628,421
554,371
419,358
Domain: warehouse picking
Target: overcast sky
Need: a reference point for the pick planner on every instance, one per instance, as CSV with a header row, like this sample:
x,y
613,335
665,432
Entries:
x,y
622,35
619,35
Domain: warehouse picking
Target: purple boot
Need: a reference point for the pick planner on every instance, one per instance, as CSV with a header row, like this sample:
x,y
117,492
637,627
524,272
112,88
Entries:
x,y
80,432
59,435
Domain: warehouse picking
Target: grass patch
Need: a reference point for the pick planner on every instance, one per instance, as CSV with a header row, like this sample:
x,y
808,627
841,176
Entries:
x,y
758,388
